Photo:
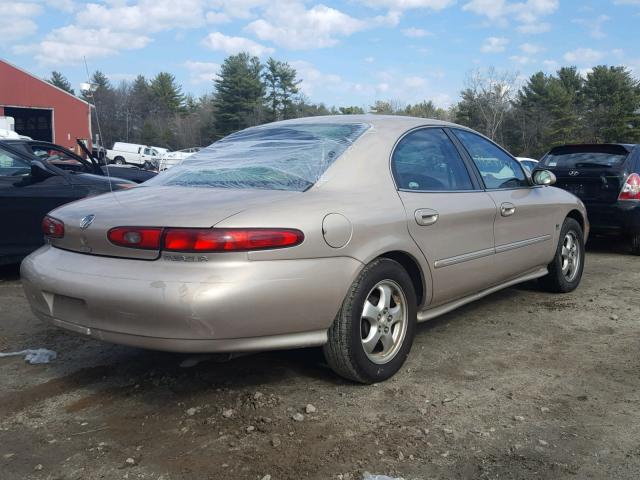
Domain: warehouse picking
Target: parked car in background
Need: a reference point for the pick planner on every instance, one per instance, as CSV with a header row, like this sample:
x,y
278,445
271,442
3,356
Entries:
x,y
30,187
61,156
142,156
340,231
171,159
528,163
606,178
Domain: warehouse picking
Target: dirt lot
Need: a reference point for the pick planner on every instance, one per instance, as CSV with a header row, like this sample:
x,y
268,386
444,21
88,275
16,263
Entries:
x,y
521,384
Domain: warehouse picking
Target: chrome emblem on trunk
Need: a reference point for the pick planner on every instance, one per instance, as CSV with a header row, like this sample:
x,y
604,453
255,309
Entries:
x,y
87,221
574,173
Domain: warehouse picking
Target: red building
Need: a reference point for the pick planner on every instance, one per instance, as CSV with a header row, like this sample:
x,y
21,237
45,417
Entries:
x,y
42,111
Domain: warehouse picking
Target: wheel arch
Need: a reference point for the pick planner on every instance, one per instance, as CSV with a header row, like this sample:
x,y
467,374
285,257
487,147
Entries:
x,y
412,267
578,217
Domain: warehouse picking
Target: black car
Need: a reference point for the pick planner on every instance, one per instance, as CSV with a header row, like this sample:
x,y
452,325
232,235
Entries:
x,y
30,187
71,161
606,178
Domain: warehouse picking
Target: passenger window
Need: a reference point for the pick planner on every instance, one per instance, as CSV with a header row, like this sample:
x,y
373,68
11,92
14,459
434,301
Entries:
x,y
12,166
427,160
498,169
147,151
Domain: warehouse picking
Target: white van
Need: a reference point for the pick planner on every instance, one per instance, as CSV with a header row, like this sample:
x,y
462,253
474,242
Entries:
x,y
134,154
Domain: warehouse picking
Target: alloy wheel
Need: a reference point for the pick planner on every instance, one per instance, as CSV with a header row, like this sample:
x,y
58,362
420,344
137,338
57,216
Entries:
x,y
384,320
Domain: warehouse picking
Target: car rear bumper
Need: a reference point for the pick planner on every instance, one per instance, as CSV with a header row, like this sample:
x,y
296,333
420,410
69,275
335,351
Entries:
x,y
620,216
230,305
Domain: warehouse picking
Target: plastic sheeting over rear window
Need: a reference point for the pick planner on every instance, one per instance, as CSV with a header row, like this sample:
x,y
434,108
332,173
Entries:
x,y
274,157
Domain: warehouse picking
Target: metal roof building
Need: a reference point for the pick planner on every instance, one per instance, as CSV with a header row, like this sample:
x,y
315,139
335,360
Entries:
x,y
41,110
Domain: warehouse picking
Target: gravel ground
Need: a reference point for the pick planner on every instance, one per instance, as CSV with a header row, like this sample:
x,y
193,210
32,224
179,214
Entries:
x,y
521,384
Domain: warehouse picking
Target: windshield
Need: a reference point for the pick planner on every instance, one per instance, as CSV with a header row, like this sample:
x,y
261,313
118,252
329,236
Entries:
x,y
274,157
583,160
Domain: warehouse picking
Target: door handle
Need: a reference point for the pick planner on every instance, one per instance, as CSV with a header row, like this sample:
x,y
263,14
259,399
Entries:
x,y
507,209
426,217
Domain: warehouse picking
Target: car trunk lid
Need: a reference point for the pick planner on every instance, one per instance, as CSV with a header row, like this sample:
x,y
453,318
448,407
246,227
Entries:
x,y
593,173
87,222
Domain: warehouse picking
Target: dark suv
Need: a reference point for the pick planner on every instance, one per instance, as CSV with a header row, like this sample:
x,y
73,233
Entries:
x,y
606,178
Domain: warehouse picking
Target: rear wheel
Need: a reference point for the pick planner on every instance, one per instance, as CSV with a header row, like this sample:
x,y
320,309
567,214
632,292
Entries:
x,y
565,271
119,161
373,332
635,243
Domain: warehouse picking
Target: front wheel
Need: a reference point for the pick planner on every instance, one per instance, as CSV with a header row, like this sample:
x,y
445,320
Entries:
x,y
372,334
565,270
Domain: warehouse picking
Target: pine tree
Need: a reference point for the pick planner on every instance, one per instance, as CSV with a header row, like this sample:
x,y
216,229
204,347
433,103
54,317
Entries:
x,y
60,81
239,94
612,101
281,86
166,93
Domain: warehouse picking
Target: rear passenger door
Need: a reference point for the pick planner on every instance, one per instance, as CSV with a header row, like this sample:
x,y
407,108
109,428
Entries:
x,y
448,214
524,225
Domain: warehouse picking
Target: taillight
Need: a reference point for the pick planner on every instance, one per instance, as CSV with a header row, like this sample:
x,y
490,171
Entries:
x,y
52,227
631,188
229,239
147,238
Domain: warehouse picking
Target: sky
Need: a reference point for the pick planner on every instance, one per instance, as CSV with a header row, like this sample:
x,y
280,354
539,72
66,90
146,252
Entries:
x,y
346,53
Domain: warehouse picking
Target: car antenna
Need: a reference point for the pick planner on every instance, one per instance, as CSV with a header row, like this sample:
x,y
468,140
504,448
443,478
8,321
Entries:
x,y
88,94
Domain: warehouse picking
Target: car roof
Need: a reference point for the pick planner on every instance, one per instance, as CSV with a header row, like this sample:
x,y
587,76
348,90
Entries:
x,y
379,121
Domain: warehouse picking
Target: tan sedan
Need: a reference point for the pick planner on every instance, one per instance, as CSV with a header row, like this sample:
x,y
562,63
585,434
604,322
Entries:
x,y
340,231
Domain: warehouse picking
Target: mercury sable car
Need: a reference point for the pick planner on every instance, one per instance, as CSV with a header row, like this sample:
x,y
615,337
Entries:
x,y
339,231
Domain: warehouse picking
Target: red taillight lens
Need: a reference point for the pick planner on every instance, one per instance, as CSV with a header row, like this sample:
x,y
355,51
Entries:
x,y
136,237
231,239
52,227
631,188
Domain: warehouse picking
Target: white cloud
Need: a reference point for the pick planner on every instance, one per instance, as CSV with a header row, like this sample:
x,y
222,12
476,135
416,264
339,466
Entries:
x,y
409,4
201,72
295,27
527,12
120,26
289,24
551,64
369,59
594,25
494,45
68,45
415,32
16,20
232,45
217,17
583,56
534,28
531,48
312,78
521,59
145,16
63,5
414,82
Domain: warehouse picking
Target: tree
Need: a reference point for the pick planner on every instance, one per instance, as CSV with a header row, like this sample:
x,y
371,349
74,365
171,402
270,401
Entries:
x,y
352,110
60,81
486,101
281,86
612,101
426,109
239,94
386,107
166,94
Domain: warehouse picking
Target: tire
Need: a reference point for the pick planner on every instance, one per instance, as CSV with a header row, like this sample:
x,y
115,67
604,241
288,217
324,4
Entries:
x,y
119,161
635,243
557,280
345,350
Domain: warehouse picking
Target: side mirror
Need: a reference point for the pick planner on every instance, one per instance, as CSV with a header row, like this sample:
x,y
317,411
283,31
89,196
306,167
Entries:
x,y
39,172
544,177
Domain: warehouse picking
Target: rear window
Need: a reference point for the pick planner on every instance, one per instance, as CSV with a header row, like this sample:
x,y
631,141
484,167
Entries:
x,y
273,157
572,158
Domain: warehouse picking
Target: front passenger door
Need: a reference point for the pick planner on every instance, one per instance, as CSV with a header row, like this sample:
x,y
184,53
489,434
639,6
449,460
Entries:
x,y
524,226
